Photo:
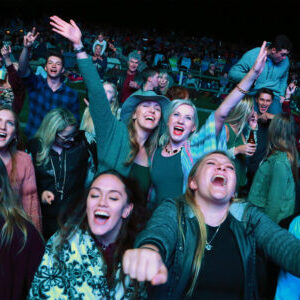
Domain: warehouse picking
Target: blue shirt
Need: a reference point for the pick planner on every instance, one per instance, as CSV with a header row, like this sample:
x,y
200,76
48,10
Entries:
x,y
42,99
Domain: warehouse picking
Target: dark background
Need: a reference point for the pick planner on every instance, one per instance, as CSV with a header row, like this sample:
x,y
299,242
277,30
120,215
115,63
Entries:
x,y
230,20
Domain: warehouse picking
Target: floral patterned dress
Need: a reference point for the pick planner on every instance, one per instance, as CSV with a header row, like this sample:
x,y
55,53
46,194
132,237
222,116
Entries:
x,y
76,272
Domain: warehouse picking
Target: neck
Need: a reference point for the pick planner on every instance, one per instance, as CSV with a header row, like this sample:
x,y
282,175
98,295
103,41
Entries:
x,y
5,155
176,145
141,135
54,83
58,149
147,87
130,72
214,214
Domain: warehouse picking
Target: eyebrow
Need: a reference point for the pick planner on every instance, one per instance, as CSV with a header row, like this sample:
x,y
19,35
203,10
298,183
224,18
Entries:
x,y
110,191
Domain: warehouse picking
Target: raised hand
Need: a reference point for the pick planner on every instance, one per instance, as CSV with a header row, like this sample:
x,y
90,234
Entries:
x,y
47,197
30,37
5,51
68,30
261,59
290,90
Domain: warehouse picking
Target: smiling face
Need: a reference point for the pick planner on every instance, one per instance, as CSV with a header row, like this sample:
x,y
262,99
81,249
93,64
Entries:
x,y
110,92
163,80
107,206
278,56
147,115
54,67
98,49
264,101
133,64
215,179
181,123
7,128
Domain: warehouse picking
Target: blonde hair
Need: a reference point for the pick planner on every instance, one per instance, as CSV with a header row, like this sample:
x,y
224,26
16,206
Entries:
x,y
239,116
164,139
87,121
190,200
55,121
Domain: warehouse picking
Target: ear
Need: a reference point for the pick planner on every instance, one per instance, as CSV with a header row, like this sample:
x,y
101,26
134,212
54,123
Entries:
x,y
45,68
193,184
127,210
63,70
134,116
194,128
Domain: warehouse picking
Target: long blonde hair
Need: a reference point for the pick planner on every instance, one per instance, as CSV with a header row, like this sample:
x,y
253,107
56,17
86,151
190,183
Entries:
x,y
190,200
55,121
240,115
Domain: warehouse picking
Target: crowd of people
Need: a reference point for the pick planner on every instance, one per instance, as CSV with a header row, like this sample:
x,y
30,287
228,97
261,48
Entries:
x,y
134,199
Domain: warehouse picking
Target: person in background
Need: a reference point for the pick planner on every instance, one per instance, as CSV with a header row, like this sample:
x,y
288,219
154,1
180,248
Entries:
x,y
273,187
60,154
19,166
45,95
12,89
275,74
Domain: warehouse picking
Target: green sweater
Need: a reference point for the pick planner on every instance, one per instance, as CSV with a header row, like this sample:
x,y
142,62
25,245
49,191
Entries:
x,y
112,137
273,187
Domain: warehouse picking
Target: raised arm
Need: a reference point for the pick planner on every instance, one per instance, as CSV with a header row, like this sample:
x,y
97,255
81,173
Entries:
x,y
29,39
241,89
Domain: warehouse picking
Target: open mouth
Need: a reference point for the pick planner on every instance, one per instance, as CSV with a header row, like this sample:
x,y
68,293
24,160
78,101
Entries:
x,y
101,217
219,180
3,135
178,130
149,118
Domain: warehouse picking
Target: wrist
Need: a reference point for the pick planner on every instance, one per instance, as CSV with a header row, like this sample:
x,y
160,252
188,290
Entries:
x,y
152,248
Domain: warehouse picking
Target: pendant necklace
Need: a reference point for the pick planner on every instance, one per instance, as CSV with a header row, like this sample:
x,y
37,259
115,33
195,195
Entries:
x,y
56,182
208,245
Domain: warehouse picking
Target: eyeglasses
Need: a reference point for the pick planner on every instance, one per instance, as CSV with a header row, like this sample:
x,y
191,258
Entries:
x,y
68,138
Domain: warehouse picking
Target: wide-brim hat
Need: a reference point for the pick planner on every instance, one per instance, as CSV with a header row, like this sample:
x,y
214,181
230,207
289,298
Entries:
x,y
130,104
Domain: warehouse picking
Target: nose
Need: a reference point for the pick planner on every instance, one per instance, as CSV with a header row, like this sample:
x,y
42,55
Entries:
x,y
2,125
221,167
103,201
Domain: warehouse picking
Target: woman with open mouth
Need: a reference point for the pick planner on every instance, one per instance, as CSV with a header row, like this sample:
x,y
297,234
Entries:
x,y
183,144
127,145
19,165
82,260
203,245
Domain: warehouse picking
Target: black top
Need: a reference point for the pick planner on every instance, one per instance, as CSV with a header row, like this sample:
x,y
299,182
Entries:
x,y
17,267
221,275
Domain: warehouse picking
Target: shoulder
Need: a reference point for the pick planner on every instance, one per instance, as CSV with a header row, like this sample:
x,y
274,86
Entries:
x,y
23,157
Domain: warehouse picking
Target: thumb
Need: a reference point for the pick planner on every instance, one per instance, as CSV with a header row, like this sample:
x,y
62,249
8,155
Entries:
x,y
161,277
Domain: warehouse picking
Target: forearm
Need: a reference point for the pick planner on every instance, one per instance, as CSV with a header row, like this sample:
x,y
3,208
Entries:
x,y
24,69
234,98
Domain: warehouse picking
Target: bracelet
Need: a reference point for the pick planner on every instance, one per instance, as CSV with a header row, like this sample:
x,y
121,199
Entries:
x,y
149,248
241,90
79,48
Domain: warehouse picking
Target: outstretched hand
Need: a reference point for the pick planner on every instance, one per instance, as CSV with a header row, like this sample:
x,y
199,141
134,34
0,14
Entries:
x,y
30,37
68,30
261,59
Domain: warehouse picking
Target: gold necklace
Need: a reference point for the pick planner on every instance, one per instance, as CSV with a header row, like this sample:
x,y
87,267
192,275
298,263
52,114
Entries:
x,y
172,151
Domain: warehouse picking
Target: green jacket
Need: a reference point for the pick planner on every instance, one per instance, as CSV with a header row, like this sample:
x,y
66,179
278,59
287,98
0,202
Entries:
x,y
273,187
112,137
250,226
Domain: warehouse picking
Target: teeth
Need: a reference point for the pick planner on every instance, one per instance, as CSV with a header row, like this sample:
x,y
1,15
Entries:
x,y
150,118
3,134
178,128
102,214
221,177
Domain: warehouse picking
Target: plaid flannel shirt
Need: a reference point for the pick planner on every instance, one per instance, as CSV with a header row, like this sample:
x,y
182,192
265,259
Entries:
x,y
42,99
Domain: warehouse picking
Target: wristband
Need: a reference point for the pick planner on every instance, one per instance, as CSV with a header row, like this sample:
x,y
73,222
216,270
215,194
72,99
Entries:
x,y
241,90
79,48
